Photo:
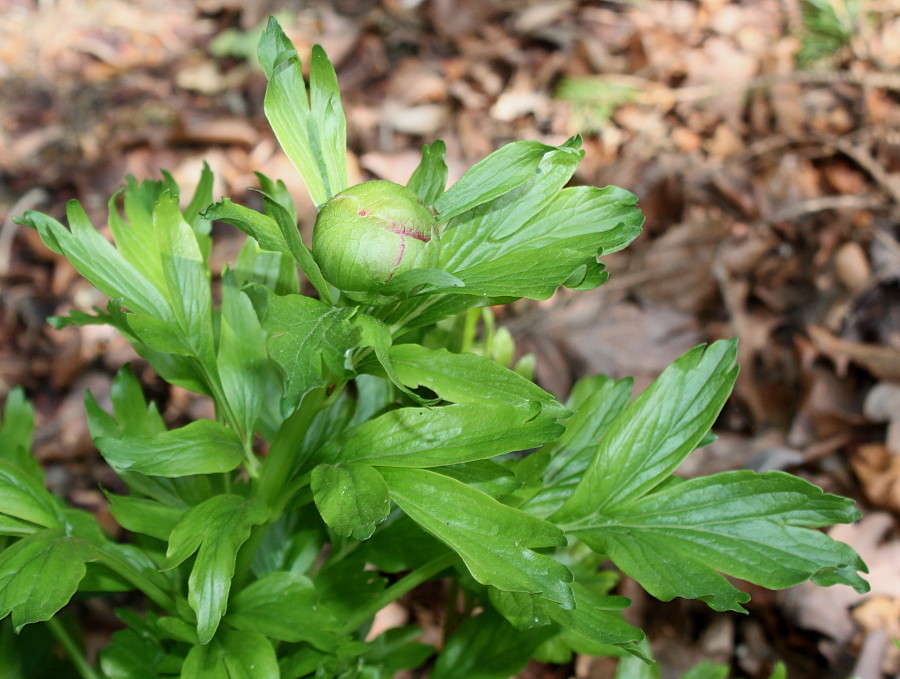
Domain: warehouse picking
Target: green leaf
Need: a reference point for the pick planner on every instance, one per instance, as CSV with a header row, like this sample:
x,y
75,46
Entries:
x,y
24,498
98,261
308,339
187,278
373,333
500,172
707,670
131,411
201,447
274,270
487,647
352,498
396,649
40,573
654,434
275,231
199,201
245,370
347,585
492,228
597,401
598,619
232,655
496,542
140,515
470,379
432,437
16,430
311,131
131,655
307,263
757,527
292,543
262,228
523,611
430,178
215,530
283,606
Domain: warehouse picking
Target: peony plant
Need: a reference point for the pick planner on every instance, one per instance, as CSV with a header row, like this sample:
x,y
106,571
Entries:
x,y
368,438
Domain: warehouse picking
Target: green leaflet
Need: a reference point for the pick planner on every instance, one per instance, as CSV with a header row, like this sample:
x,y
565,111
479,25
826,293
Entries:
x,y
201,447
351,497
308,339
98,261
487,647
597,401
40,573
598,619
652,436
432,437
232,655
140,515
430,178
186,276
500,172
469,378
215,529
756,527
475,237
245,370
16,429
494,541
312,131
25,500
283,606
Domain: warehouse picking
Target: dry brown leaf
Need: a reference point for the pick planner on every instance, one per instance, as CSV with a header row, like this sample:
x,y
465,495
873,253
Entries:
x,y
879,474
827,610
882,361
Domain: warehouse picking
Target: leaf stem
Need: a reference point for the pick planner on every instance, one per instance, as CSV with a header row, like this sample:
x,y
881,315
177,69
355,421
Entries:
x,y
136,578
405,584
58,630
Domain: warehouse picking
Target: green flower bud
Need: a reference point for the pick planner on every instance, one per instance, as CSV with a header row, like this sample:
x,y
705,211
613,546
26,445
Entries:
x,y
371,232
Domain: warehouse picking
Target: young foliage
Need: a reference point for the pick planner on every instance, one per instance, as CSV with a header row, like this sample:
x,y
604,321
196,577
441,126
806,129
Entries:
x,y
362,448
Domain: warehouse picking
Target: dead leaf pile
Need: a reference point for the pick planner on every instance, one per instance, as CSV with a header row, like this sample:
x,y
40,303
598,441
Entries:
x,y
771,189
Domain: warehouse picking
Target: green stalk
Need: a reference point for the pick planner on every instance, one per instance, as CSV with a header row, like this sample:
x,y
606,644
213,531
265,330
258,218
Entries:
x,y
58,630
405,584
276,467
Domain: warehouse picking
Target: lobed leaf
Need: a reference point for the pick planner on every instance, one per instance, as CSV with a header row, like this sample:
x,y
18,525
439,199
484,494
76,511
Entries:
x,y
758,527
16,430
308,339
215,529
312,131
40,573
654,434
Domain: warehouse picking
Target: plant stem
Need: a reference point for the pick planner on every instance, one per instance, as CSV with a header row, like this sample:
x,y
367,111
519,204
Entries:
x,y
277,465
71,648
405,584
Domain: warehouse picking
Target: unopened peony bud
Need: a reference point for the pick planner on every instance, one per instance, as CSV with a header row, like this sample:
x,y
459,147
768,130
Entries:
x,y
371,232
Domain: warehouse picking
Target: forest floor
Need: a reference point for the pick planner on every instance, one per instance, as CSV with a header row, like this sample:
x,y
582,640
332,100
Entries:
x,y
764,144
